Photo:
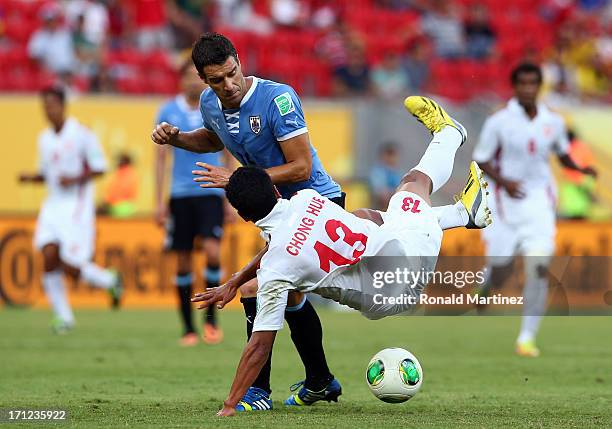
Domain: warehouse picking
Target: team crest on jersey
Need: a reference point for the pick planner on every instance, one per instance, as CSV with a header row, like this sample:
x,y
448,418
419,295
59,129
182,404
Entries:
x,y
255,122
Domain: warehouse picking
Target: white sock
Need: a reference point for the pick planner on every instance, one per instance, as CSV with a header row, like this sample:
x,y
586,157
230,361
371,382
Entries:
x,y
438,160
98,276
535,297
53,283
452,216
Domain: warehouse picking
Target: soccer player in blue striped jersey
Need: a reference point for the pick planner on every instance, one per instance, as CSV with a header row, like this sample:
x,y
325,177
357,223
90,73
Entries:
x,y
261,123
191,212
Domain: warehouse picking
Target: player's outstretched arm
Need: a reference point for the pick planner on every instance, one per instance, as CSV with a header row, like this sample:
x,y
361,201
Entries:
x,y
31,178
225,293
253,358
513,188
568,162
199,141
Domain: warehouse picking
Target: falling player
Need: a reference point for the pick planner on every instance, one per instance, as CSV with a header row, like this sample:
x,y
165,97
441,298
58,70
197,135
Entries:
x,y
328,255
70,157
513,151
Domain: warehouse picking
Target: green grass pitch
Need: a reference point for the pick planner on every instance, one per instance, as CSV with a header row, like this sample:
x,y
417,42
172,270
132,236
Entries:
x,y
125,369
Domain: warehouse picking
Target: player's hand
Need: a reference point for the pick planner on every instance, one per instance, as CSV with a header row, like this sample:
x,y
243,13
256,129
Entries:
x,y
216,176
220,295
26,177
161,215
226,411
589,171
69,181
513,188
164,133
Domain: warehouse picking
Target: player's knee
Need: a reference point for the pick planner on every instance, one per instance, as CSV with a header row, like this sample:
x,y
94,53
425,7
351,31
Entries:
x,y
71,271
51,259
183,261
212,249
294,298
249,289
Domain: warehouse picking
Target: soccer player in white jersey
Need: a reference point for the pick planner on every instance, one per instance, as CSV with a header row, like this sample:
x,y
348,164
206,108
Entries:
x,y
316,246
70,157
513,150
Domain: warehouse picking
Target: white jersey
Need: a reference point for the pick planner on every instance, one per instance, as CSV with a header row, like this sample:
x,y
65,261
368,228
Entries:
x,y
69,153
67,217
315,245
520,147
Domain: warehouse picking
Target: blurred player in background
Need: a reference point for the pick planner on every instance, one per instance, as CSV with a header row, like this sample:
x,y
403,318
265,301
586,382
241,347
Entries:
x,y
70,157
385,176
192,211
513,150
261,123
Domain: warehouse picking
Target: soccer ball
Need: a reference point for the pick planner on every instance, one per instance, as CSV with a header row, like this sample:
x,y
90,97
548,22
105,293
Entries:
x,y
394,375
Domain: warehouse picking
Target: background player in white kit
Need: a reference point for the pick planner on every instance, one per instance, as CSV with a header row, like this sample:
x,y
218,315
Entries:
x,y
69,158
315,245
513,150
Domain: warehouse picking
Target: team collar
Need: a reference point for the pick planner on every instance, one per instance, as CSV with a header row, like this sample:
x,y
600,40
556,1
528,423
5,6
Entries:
x,y
247,96
181,101
514,106
274,218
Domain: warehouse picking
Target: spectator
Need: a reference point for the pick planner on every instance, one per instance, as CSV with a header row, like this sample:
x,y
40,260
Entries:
x,y
188,20
354,77
147,20
385,176
416,64
288,13
241,15
479,34
118,22
443,25
52,45
335,44
122,189
389,79
95,19
87,53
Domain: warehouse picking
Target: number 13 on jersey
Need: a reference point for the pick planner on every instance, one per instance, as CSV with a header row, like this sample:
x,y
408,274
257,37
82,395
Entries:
x,y
327,254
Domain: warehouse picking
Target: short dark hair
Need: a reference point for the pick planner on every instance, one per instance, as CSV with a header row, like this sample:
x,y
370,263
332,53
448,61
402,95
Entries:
x,y
251,192
212,49
524,68
55,91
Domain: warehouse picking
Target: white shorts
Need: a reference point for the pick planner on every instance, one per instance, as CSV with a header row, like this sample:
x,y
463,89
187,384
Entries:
x,y
409,239
73,231
520,227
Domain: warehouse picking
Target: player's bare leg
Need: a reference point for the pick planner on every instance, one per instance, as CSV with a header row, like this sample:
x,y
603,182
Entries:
x,y
98,277
53,284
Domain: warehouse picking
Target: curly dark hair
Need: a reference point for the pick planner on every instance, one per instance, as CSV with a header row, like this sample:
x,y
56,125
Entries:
x,y
212,49
251,192
524,68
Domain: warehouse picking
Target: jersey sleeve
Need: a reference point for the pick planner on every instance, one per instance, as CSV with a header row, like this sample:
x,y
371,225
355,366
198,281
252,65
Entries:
x,y
94,156
285,114
487,143
205,121
561,144
271,305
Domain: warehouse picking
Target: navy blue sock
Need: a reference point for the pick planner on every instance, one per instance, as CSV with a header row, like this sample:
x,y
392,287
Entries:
x,y
183,287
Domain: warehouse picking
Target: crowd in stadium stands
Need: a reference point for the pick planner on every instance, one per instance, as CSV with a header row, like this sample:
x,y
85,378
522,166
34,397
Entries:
x,y
459,49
